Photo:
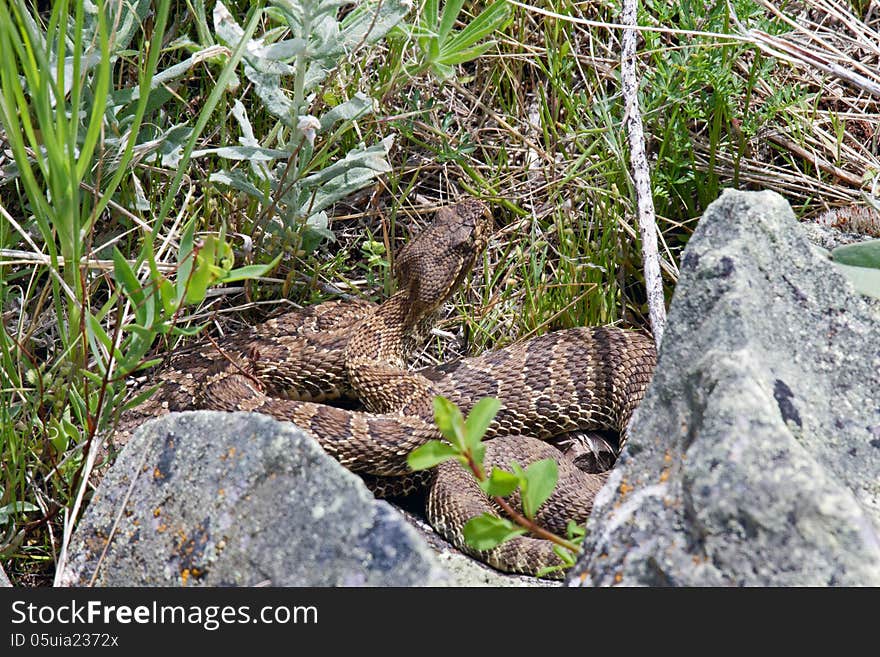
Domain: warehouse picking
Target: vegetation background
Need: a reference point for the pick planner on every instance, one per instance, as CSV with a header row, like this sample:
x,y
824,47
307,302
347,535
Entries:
x,y
175,166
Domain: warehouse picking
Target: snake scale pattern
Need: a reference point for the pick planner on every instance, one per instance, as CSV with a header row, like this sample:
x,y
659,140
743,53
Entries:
x,y
295,366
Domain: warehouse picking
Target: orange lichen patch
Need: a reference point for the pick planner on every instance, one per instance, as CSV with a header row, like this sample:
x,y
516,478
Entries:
x,y
162,528
157,512
664,475
667,457
618,578
221,492
625,488
228,455
184,576
157,473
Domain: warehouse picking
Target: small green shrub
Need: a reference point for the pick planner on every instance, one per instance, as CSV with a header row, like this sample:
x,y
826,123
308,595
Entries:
x,y
535,483
306,172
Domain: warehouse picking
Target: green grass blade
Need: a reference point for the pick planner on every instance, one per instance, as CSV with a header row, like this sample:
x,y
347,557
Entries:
x,y
99,102
207,110
146,76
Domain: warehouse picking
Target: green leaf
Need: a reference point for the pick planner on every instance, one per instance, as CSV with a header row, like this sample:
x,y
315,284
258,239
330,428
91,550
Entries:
x,y
187,331
500,483
451,9
575,530
134,349
95,334
367,23
866,280
863,254
491,19
269,89
546,570
540,480
479,419
8,510
433,452
354,108
568,559
237,180
448,419
431,14
124,275
249,153
185,259
461,56
349,174
249,272
487,531
202,276
141,397
442,71
94,377
167,294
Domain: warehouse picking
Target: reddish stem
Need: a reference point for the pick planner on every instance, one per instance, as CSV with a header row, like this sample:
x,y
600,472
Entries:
x,y
518,518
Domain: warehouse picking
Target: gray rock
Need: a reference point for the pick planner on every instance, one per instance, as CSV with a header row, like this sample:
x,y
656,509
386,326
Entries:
x,y
4,580
755,456
213,499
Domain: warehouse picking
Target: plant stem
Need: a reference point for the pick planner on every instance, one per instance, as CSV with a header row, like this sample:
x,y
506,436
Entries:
x,y
517,517
302,63
534,528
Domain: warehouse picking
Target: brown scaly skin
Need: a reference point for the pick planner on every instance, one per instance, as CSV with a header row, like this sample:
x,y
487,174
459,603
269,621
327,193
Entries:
x,y
565,381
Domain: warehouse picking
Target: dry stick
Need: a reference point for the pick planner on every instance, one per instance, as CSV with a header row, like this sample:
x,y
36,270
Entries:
x,y
801,56
642,179
816,160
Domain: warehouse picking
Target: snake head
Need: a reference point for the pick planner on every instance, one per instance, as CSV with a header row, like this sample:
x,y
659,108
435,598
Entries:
x,y
433,265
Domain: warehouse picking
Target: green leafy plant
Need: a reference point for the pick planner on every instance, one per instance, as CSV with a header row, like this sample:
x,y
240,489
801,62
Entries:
x,y
860,263
535,483
201,264
443,48
295,181
77,140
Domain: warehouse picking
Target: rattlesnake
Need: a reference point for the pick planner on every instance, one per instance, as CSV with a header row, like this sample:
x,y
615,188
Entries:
x,y
290,367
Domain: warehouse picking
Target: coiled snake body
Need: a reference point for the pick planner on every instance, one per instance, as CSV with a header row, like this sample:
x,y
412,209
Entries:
x,y
567,381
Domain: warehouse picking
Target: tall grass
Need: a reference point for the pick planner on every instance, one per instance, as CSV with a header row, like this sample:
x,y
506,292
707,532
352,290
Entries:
x,y
72,147
55,86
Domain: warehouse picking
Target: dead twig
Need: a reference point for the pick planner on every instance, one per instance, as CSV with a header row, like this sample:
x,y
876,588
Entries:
x,y
816,160
641,176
